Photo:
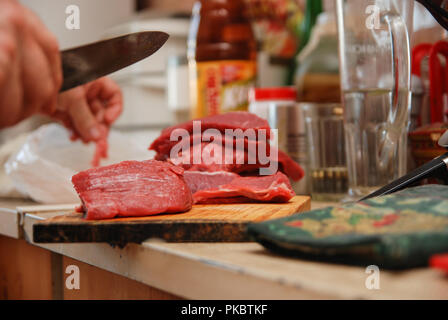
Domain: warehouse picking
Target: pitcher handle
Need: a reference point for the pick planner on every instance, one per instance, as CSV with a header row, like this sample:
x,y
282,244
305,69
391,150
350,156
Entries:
x,y
401,72
401,58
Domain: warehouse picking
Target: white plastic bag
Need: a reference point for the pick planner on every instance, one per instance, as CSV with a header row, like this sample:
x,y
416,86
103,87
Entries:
x,y
43,167
7,189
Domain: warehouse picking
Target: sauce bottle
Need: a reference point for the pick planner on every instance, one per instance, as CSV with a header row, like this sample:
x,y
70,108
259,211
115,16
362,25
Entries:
x,y
222,57
312,10
317,76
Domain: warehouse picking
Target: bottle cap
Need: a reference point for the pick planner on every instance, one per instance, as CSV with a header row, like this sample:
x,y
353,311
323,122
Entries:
x,y
280,93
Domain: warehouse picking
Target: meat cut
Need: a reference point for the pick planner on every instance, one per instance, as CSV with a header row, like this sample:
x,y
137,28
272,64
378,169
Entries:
x,y
132,188
245,156
231,120
198,180
225,187
274,188
241,144
289,167
243,161
101,152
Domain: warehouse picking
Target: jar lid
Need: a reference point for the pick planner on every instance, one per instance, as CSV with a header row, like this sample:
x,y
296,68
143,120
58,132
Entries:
x,y
280,93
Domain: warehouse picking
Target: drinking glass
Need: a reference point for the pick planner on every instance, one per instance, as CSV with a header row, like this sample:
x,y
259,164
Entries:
x,y
375,72
327,167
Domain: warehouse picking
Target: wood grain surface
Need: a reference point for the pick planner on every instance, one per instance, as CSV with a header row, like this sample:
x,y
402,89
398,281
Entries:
x,y
25,271
203,223
98,284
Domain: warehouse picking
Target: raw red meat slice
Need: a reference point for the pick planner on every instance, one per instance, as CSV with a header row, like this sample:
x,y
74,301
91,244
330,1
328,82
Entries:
x,y
197,180
132,188
274,188
244,144
237,164
288,166
101,152
101,146
235,200
244,160
231,120
245,148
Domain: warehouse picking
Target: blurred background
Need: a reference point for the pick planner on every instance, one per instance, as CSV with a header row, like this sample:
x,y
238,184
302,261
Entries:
x,y
296,46
156,90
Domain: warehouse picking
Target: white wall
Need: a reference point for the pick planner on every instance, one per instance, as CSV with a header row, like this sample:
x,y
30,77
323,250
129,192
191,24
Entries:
x,y
96,16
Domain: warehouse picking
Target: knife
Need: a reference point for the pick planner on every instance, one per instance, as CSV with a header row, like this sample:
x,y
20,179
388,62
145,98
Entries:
x,y
86,63
437,168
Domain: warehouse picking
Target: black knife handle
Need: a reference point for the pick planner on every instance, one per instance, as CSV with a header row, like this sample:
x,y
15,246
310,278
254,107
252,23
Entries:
x,y
437,168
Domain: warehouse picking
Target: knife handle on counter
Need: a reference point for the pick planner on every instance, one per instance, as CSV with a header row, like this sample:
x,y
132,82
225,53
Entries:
x,y
437,168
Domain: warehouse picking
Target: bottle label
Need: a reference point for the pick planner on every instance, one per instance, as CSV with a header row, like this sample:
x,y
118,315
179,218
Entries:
x,y
223,86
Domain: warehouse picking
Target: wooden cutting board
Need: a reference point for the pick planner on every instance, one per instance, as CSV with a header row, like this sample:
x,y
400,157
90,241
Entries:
x,y
203,223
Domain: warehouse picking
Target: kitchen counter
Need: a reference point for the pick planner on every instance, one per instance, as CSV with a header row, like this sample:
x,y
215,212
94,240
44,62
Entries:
x,y
157,270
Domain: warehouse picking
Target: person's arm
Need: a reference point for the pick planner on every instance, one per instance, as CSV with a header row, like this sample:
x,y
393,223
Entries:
x,y
30,66
31,77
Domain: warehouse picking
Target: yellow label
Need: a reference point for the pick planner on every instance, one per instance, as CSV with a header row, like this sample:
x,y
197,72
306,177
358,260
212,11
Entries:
x,y
222,86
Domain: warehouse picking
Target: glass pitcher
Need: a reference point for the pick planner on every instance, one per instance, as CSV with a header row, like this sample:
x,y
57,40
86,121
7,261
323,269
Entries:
x,y
375,81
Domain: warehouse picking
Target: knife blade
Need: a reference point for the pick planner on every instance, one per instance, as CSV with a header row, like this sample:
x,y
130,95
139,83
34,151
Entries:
x,y
437,168
86,63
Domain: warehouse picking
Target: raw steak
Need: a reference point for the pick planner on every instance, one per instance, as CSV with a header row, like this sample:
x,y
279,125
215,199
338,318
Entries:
x,y
237,164
274,188
231,120
197,180
244,160
244,144
132,188
289,167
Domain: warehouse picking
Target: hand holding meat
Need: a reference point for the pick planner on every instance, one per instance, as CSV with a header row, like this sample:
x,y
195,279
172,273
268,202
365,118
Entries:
x,y
31,77
90,110
30,65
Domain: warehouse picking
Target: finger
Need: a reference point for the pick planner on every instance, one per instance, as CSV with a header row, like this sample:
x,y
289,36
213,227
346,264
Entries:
x,y
97,108
93,89
11,92
37,81
50,107
109,89
62,115
12,16
9,52
63,118
96,105
83,119
49,44
110,93
114,110
115,102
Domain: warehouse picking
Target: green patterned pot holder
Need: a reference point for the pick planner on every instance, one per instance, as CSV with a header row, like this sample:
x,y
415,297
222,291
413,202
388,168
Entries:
x,y
402,230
